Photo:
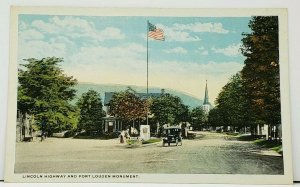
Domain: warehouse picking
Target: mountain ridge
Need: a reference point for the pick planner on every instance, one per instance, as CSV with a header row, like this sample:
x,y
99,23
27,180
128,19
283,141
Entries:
x,y
83,87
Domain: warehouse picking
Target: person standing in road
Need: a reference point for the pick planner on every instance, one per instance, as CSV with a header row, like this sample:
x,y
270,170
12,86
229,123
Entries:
x,y
122,135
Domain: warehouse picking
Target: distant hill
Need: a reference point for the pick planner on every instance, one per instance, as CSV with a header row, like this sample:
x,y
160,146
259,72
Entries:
x,y
102,88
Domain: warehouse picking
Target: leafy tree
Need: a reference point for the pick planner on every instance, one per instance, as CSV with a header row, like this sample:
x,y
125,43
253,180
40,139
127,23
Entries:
x,y
128,106
261,70
91,112
45,91
197,117
216,118
169,109
232,107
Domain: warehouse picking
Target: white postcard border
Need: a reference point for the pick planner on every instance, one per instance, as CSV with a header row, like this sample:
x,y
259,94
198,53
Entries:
x,y
287,178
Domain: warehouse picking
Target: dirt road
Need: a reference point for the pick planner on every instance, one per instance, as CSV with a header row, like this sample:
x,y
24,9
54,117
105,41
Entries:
x,y
209,153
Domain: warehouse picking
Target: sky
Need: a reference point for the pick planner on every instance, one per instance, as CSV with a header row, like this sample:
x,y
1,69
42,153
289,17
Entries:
x,y
100,49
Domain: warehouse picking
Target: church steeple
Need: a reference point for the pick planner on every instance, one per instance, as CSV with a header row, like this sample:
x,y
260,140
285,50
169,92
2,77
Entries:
x,y
206,102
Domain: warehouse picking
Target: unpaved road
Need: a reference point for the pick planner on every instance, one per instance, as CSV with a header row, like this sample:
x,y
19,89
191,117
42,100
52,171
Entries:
x,y
209,153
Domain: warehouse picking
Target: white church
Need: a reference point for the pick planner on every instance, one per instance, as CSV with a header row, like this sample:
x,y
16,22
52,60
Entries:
x,y
206,106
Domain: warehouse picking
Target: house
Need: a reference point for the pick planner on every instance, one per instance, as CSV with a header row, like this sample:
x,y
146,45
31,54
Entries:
x,y
269,131
110,122
24,130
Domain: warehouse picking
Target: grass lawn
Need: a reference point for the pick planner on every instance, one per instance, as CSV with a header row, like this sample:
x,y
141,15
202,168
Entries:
x,y
273,145
153,140
269,144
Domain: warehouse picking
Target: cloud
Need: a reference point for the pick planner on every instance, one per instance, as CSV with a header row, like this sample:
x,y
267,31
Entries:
x,y
111,33
118,64
202,51
68,23
41,49
125,65
186,32
201,48
22,25
32,44
127,57
190,76
211,67
176,50
180,36
62,39
202,27
45,27
171,34
231,50
31,34
75,27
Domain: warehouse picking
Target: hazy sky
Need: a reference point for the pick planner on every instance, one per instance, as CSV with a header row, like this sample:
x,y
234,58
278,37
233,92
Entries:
x,y
113,49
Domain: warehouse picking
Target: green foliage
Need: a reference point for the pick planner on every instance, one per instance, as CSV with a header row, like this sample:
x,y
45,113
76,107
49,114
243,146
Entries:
x,y
253,96
232,107
216,118
278,149
198,117
45,91
270,144
261,70
267,143
102,88
169,109
91,112
128,106
152,140
134,143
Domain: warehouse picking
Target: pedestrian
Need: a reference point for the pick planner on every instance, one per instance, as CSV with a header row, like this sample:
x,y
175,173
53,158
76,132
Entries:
x,y
42,136
126,134
122,137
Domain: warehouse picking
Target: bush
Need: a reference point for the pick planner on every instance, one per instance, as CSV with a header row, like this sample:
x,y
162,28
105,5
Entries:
x,y
134,143
111,135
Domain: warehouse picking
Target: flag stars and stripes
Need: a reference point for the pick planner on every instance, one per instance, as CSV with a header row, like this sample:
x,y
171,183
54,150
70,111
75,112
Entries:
x,y
155,33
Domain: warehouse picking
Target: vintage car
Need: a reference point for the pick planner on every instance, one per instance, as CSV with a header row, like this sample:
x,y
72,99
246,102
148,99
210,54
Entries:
x,y
172,135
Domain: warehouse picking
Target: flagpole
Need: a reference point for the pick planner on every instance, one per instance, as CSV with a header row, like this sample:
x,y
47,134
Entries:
x,y
147,70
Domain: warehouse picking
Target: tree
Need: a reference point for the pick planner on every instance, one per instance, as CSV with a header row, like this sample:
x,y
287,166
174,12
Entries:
x,y
45,91
169,109
197,117
261,70
128,106
91,112
216,118
232,107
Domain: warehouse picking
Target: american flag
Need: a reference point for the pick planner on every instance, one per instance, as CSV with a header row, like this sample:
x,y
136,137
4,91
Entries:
x,y
155,33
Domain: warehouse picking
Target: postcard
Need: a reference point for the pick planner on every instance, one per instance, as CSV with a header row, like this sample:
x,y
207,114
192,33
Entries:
x,y
148,95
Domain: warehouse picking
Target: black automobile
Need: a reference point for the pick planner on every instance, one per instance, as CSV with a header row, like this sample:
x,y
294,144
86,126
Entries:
x,y
172,135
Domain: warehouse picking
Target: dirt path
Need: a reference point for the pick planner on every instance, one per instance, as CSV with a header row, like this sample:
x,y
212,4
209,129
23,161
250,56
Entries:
x,y
209,153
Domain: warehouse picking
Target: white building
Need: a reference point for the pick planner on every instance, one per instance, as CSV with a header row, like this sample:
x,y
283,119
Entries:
x,y
206,104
